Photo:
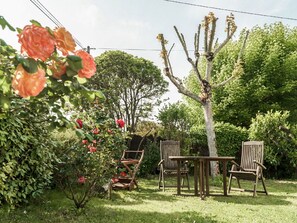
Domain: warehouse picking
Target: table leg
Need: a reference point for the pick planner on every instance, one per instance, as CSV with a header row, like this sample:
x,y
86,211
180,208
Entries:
x,y
196,177
207,177
225,177
178,177
201,179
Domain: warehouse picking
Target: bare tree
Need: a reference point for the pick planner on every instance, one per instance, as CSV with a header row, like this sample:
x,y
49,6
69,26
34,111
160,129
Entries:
x,y
211,49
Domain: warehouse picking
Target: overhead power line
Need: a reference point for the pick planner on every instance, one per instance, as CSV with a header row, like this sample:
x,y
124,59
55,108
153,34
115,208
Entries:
x,y
49,15
230,10
135,49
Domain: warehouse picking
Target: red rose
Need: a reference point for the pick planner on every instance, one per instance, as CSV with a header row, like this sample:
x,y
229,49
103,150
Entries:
x,y
120,123
79,123
81,180
96,131
123,174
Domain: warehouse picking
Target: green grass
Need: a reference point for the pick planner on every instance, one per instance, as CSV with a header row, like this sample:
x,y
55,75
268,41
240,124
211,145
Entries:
x,y
148,204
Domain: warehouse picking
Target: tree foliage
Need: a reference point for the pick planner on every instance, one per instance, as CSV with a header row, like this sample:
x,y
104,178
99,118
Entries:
x,y
133,85
280,154
269,80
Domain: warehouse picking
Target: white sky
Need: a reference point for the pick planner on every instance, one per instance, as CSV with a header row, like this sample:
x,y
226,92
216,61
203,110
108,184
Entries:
x,y
124,24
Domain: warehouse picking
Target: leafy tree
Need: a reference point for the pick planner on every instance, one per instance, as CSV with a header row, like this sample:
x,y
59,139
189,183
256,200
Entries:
x,y
206,83
269,80
176,122
133,85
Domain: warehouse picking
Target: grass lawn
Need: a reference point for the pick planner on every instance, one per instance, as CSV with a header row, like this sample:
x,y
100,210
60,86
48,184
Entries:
x,y
150,205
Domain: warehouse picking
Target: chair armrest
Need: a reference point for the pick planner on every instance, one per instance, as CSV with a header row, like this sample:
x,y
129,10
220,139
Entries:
x,y
233,162
237,165
162,161
260,164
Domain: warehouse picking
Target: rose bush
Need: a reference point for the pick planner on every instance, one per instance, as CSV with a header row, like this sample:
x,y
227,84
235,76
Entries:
x,y
89,163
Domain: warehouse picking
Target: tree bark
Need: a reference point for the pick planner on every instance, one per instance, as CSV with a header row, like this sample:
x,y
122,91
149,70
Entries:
x,y
211,136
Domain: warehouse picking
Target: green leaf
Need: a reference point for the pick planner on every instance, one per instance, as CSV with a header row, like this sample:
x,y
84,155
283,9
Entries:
x,y
4,102
89,137
4,23
34,22
74,63
80,133
100,95
30,65
5,84
81,80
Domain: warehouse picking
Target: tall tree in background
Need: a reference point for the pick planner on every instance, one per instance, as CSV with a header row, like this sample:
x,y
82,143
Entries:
x,y
269,81
132,85
211,49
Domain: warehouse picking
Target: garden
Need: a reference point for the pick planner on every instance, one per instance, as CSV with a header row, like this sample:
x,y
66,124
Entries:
x,y
65,124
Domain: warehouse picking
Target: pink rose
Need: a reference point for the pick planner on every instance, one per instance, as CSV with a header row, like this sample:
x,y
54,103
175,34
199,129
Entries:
x,y
81,180
92,149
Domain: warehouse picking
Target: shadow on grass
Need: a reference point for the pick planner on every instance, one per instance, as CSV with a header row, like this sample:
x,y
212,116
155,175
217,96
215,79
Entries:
x,y
138,196
95,212
259,200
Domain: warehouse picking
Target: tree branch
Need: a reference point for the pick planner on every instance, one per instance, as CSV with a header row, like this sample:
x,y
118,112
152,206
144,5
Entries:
x,y
231,28
169,72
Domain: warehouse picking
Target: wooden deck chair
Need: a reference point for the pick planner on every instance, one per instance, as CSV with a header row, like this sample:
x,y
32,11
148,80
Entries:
x,y
131,161
251,166
169,167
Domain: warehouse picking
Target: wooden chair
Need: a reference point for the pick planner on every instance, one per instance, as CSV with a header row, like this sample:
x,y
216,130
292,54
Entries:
x,y
251,166
131,161
169,167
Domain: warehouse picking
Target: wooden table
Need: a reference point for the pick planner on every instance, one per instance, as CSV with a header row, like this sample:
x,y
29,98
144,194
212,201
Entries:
x,y
195,159
204,162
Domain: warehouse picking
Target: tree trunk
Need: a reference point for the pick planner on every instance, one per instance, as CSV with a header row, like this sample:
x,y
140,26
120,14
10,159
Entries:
x,y
211,136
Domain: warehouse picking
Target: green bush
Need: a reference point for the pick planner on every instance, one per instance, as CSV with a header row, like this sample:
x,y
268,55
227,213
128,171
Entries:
x,y
25,159
228,138
280,154
150,160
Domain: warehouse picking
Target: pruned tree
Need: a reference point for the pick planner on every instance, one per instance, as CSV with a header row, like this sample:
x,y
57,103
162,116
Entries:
x,y
210,50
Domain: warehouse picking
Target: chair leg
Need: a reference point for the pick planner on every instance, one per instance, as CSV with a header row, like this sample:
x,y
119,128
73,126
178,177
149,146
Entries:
x,y
255,187
263,183
238,182
188,181
160,179
163,182
230,182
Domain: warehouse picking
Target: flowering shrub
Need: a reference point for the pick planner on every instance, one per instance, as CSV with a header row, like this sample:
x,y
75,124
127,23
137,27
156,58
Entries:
x,y
89,164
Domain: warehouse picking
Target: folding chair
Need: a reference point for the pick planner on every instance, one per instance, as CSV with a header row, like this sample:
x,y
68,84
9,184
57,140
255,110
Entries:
x,y
130,161
251,166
